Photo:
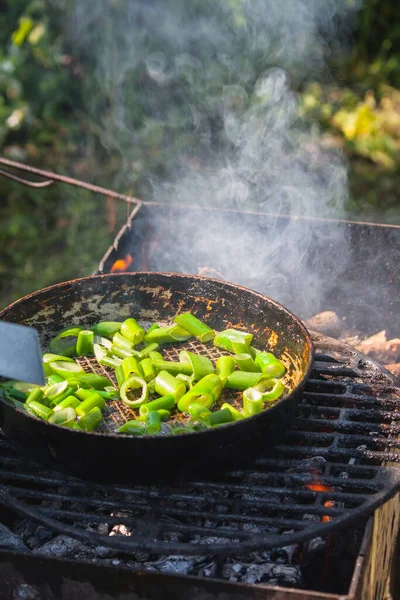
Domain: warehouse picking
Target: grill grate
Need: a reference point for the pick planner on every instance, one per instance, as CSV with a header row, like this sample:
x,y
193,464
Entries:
x,y
327,472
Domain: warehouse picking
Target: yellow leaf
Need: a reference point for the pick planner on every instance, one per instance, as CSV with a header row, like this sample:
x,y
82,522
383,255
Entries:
x,y
19,35
36,33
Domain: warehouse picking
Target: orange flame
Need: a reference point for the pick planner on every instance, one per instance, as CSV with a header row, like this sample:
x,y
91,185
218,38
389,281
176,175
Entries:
x,y
326,518
122,264
317,486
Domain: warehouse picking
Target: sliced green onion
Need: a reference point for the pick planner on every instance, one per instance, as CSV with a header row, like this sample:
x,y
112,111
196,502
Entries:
x,y
165,383
164,414
154,355
193,325
131,365
56,390
187,380
252,402
147,368
167,335
98,382
240,348
90,421
66,369
198,410
63,345
245,362
206,392
165,402
64,417
119,375
102,341
36,395
84,393
220,417
148,349
225,365
69,401
106,328
132,384
275,386
200,365
40,410
110,361
91,402
153,327
124,352
132,331
241,380
84,343
182,429
270,365
54,379
49,357
224,339
132,427
153,423
172,367
236,414
122,342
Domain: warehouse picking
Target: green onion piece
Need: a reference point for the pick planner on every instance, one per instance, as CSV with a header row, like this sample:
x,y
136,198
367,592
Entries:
x,y
124,352
36,395
172,367
245,362
99,352
131,365
153,327
132,331
70,331
14,394
82,394
198,410
220,417
164,414
91,380
90,421
110,361
167,335
206,392
91,402
193,325
252,402
84,343
132,384
226,338
54,379
64,346
240,348
165,383
236,414
148,349
66,369
270,365
48,358
254,351
154,355
241,380
275,386
165,402
64,417
119,375
151,386
56,390
102,341
225,365
68,392
132,427
69,401
147,369
187,380
106,328
121,341
40,410
181,429
200,365
153,423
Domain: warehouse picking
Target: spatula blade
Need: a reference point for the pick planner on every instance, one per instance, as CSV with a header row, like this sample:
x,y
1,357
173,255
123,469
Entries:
x,y
20,354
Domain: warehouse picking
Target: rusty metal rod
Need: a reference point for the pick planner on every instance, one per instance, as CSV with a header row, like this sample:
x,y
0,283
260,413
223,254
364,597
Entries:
x,y
54,177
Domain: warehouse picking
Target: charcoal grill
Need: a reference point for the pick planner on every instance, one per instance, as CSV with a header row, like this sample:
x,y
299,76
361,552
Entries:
x,y
342,442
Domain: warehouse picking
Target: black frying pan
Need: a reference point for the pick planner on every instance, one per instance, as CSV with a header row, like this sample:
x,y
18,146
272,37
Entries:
x,y
159,297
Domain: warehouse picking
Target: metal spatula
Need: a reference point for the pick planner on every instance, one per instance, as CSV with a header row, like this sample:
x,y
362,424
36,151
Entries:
x,y
20,355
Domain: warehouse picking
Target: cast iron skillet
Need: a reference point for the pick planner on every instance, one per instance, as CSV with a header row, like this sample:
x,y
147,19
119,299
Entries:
x,y
159,297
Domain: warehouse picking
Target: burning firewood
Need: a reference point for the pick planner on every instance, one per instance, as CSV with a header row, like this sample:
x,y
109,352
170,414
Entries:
x,y
381,349
327,323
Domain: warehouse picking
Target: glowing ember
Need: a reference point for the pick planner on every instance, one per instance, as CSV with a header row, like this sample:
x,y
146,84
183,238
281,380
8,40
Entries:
x,y
318,487
326,518
122,264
